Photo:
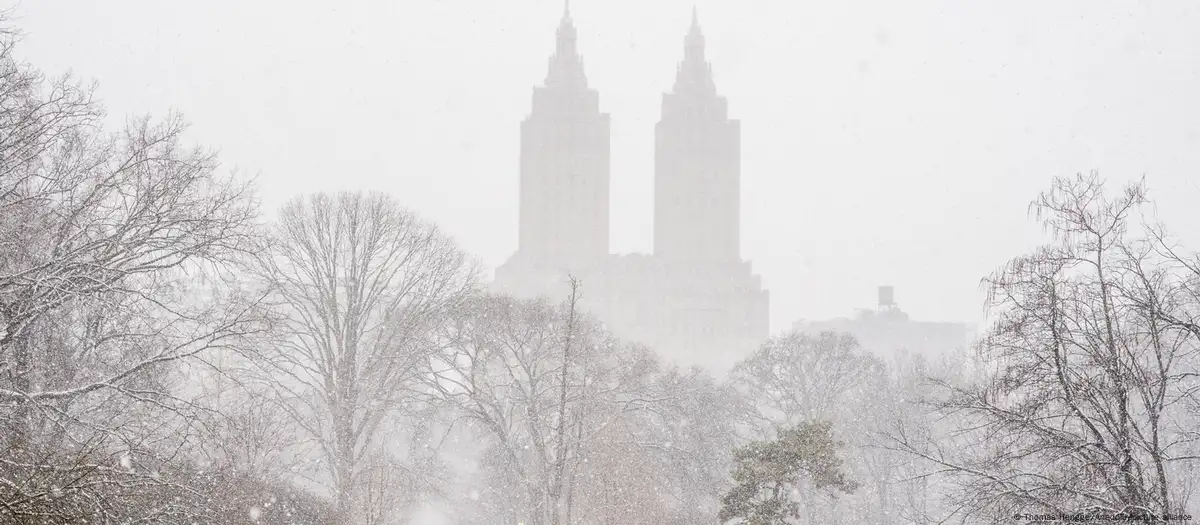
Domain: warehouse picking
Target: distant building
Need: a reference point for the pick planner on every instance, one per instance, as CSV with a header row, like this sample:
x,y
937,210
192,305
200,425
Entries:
x,y
887,330
694,300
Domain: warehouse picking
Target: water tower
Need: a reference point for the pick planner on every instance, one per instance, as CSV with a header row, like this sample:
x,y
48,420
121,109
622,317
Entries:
x,y
887,297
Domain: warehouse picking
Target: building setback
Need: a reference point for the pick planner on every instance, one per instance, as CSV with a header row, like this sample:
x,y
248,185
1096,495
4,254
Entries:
x,y
694,300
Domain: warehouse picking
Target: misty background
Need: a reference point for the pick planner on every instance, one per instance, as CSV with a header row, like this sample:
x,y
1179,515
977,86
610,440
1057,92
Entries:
x,y
195,335
883,142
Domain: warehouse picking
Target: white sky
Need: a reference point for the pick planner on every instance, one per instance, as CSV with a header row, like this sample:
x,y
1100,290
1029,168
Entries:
x,y
884,142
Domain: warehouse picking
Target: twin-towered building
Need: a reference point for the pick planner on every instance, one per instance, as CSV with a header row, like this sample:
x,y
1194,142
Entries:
x,y
694,300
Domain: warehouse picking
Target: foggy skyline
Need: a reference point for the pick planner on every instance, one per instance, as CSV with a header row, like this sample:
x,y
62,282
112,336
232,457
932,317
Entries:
x,y
882,144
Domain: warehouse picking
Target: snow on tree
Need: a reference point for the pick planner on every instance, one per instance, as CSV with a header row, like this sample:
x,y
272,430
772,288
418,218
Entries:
x,y
362,286
796,379
578,427
102,237
1089,405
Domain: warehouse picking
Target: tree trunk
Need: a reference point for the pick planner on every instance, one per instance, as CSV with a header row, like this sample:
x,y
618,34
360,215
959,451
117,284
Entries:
x,y
21,425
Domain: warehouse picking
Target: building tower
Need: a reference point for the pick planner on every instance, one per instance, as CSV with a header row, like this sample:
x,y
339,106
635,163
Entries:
x,y
694,300
564,209
697,192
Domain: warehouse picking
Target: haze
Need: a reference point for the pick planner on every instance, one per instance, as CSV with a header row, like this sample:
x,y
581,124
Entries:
x,y
883,142
423,278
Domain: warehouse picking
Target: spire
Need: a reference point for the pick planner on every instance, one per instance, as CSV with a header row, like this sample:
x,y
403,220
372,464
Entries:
x,y
695,73
566,32
695,38
566,67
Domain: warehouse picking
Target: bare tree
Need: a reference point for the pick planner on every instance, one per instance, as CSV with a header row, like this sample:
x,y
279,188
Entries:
x,y
668,463
103,239
1088,408
800,379
546,386
914,495
363,286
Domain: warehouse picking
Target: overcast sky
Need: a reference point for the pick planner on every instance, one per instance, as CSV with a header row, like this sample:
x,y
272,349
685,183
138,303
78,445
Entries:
x,y
884,142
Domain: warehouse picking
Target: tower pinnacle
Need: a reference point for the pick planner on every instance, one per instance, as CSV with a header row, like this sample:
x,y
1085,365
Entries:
x,y
566,66
694,43
566,32
694,74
